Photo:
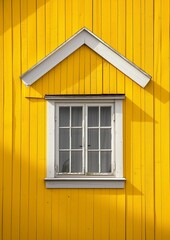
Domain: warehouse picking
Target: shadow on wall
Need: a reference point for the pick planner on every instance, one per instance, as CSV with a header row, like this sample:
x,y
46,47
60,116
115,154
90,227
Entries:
x,y
16,15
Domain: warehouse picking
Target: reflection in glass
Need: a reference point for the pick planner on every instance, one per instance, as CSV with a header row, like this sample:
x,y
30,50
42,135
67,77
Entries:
x,y
105,162
76,116
76,138
105,138
64,161
64,116
93,162
76,161
93,138
64,138
105,116
93,116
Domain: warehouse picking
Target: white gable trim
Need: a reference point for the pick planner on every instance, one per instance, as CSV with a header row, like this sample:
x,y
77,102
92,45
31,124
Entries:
x,y
86,37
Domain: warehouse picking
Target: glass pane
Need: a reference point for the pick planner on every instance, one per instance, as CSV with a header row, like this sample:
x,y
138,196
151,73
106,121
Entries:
x,y
76,138
64,116
93,138
93,116
76,116
76,161
64,138
105,138
105,162
93,162
64,161
105,116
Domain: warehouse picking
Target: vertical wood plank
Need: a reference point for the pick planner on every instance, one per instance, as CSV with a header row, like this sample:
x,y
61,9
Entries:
x,y
76,75
106,77
57,80
87,71
113,214
63,85
99,73
33,170
136,125
120,41
1,116
82,69
54,24
32,39
7,166
68,12
97,17
73,214
16,121
41,169
128,126
165,111
24,128
113,42
89,214
82,214
149,174
40,41
97,214
61,22
88,12
93,72
157,140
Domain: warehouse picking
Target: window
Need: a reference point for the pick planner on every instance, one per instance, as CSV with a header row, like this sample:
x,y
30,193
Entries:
x,y
84,141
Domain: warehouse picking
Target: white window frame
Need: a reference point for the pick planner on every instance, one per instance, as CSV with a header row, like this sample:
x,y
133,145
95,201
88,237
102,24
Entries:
x,y
84,181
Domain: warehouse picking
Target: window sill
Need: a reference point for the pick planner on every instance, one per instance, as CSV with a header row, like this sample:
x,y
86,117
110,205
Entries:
x,y
85,182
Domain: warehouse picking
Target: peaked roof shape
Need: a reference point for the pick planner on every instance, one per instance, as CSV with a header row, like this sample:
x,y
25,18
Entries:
x,y
84,36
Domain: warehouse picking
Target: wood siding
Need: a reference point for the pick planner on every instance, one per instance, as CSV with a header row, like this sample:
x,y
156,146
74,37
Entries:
x,y
31,29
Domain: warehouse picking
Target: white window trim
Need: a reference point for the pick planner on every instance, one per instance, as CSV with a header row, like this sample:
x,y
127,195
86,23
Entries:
x,y
83,181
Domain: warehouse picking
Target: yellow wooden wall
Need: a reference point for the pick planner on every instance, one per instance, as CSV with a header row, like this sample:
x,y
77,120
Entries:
x,y
29,30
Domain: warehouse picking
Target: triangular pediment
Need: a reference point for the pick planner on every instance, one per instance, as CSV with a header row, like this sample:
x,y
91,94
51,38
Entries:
x,y
85,37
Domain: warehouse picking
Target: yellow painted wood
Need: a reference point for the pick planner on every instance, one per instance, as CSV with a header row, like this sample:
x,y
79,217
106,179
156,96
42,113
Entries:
x,y
16,131
41,167
113,214
7,133
136,127
82,70
61,36
76,75
24,130
87,72
99,73
121,40
149,173
29,30
32,207
68,12
113,43
106,77
165,115
1,119
93,72
120,231
55,215
97,19
157,90
82,213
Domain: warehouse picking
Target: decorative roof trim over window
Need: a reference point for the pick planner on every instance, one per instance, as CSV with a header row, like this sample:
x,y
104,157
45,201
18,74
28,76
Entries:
x,y
84,36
